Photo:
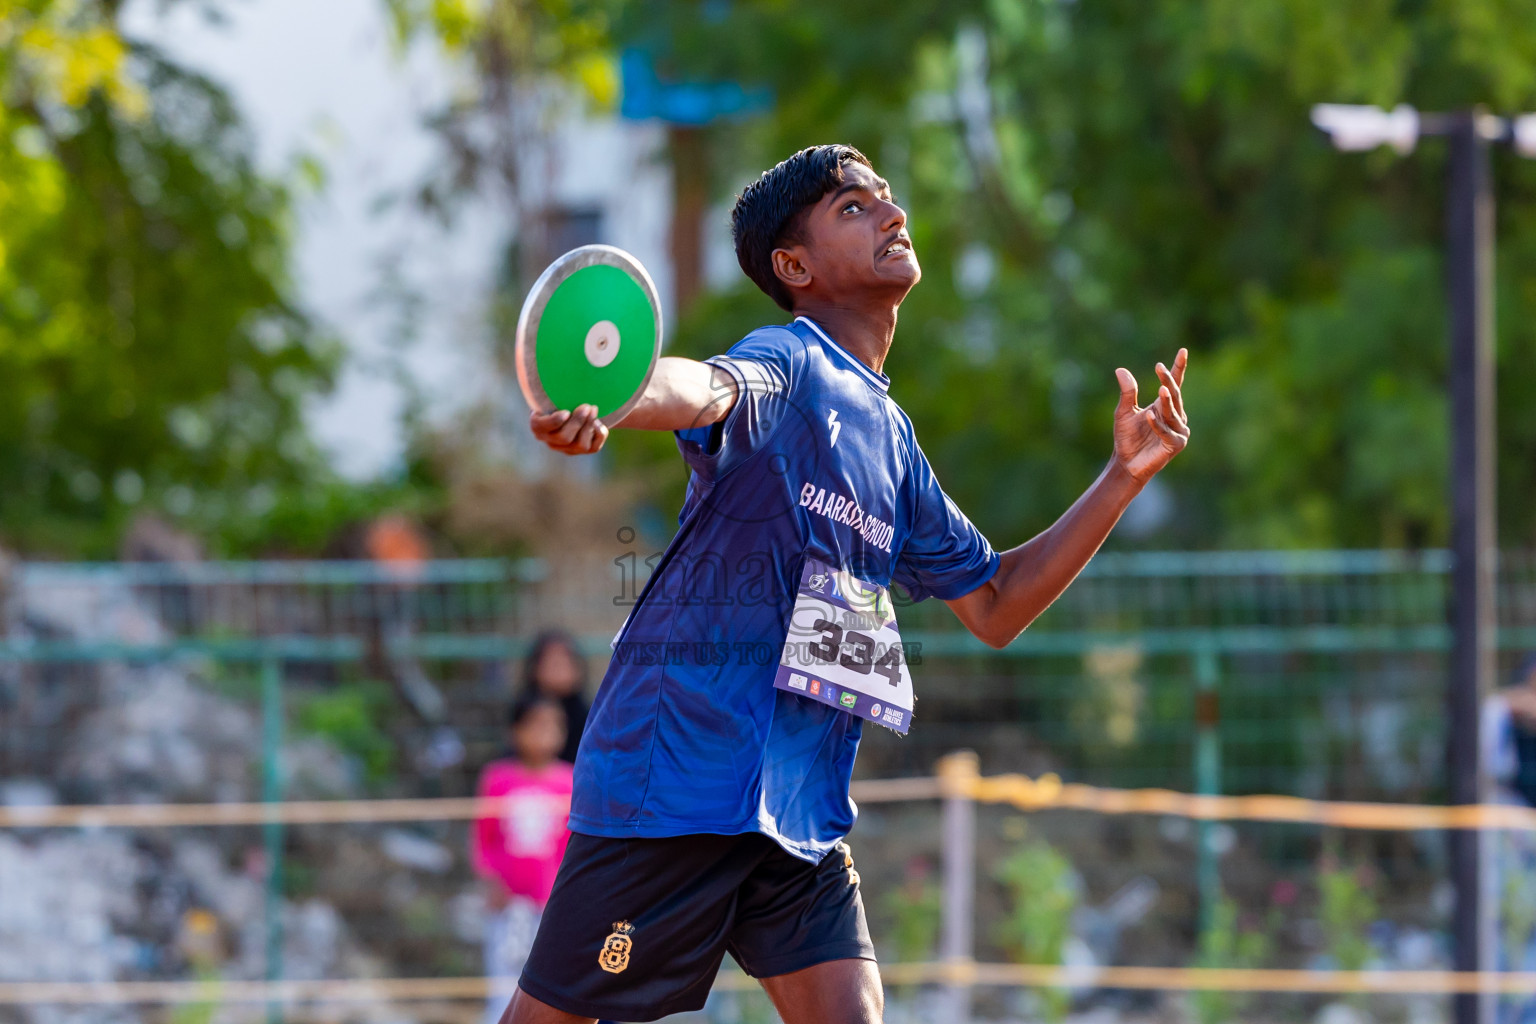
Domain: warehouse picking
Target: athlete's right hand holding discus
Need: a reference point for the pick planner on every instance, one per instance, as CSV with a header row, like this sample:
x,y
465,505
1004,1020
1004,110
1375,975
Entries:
x,y
682,393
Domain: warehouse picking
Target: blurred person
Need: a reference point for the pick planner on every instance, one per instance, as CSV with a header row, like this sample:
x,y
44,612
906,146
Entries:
x,y
711,806
1509,757
1509,733
554,668
397,545
400,551
517,851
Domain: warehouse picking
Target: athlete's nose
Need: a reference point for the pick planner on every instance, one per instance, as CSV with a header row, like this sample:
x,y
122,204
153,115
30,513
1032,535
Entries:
x,y
895,217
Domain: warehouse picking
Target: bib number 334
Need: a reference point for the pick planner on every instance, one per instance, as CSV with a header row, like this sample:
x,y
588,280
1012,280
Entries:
x,y
844,649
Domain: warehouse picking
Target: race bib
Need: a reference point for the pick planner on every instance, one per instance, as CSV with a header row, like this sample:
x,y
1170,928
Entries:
x,y
843,648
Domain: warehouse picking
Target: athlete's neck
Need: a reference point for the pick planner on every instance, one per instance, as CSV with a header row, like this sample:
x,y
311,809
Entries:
x,y
866,333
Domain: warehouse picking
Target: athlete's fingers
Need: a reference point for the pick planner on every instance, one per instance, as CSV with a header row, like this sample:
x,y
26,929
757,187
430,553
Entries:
x,y
1168,408
1165,431
580,417
571,447
1172,386
1166,423
1180,362
1127,391
1171,416
545,424
587,440
559,425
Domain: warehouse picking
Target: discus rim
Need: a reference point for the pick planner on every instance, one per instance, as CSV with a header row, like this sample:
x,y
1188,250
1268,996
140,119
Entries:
x,y
526,342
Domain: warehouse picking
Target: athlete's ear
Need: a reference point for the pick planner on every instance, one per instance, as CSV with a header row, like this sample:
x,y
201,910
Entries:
x,y
789,266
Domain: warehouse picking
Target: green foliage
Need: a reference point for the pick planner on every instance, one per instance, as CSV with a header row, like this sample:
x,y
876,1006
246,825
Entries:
x,y
1094,185
1346,911
1517,910
915,910
515,49
150,351
353,718
1225,943
518,39
301,519
1043,893
200,1012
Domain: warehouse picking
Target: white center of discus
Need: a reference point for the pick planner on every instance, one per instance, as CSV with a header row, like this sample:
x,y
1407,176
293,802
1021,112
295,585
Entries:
x,y
602,343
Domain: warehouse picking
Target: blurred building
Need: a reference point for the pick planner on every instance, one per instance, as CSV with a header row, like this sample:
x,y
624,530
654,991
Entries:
x,y
409,293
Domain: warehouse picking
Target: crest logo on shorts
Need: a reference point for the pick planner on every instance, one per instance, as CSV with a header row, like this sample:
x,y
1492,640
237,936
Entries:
x,y
614,956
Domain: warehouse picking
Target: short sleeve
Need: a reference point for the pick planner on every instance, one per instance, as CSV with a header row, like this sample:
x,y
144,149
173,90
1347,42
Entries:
x,y
763,367
944,556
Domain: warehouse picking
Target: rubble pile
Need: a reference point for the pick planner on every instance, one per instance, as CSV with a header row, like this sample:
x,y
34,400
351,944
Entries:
x,y
113,904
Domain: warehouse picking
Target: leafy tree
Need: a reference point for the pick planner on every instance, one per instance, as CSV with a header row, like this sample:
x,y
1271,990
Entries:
x,y
1225,943
1095,184
1347,907
1043,893
514,50
150,348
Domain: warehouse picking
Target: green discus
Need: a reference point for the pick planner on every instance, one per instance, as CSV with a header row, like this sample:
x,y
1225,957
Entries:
x,y
589,333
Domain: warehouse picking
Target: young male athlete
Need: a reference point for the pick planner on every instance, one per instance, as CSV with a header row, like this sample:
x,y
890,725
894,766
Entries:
x,y
711,789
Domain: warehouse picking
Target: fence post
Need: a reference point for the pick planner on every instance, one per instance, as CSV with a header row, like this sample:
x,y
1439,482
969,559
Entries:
x,y
272,829
1207,774
958,773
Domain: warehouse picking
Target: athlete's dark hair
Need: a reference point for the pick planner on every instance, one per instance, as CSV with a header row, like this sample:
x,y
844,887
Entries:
x,y
770,212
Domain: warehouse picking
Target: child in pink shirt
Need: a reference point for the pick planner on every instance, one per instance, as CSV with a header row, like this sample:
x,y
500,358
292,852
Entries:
x,y
518,849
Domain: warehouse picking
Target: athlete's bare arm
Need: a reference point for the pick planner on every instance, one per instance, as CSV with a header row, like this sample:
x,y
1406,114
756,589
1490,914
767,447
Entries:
x,y
1034,574
682,393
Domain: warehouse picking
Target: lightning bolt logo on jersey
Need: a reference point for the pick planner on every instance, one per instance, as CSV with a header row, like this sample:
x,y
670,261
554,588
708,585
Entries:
x,y
683,743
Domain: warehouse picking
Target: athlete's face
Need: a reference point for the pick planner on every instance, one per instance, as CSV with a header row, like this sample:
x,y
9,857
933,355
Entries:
x,y
855,241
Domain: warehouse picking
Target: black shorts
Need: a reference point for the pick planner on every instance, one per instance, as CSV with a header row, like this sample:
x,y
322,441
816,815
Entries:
x,y
636,928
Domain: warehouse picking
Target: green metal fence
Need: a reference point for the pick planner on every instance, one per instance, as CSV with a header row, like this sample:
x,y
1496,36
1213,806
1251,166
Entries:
x,y
1310,673
426,629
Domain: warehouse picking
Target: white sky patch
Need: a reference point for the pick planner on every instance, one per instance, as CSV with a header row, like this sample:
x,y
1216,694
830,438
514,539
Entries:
x,y
323,78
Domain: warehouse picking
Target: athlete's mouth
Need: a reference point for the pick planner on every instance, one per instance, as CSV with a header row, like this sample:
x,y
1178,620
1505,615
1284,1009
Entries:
x,y
899,244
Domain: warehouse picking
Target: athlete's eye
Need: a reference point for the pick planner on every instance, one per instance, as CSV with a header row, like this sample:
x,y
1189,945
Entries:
x,y
852,206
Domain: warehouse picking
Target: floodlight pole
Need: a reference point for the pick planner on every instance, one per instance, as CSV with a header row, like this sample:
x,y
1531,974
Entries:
x,y
1474,542
1474,533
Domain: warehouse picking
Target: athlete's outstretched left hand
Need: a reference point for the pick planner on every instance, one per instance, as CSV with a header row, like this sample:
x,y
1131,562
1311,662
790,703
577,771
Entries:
x,y
1148,437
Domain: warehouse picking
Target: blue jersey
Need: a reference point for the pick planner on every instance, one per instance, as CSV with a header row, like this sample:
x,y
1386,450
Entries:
x,y
687,733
